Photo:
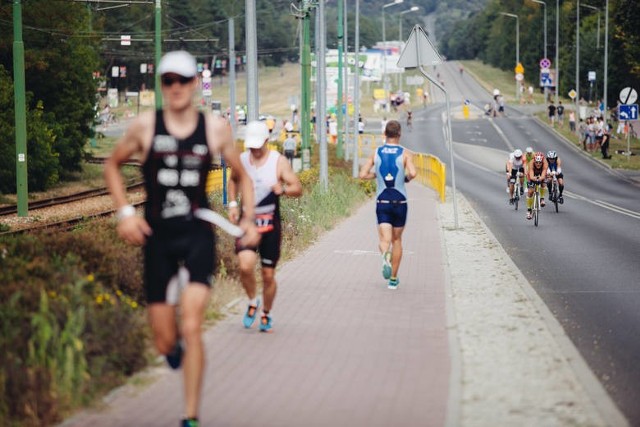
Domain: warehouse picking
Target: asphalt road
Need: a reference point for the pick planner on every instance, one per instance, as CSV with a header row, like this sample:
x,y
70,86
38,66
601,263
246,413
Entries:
x,y
582,261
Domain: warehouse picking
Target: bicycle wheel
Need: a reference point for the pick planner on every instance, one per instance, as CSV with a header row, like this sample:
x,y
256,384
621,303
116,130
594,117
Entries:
x,y
555,196
516,199
536,209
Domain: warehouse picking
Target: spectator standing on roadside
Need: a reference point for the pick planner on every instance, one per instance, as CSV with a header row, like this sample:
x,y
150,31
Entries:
x,y
572,121
551,110
392,167
176,145
272,178
604,148
289,148
560,113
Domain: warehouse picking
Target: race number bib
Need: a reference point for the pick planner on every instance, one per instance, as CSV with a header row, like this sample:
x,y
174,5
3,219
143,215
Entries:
x,y
264,222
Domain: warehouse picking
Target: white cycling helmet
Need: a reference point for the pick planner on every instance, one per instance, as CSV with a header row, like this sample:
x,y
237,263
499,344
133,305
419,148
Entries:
x,y
552,154
517,154
529,150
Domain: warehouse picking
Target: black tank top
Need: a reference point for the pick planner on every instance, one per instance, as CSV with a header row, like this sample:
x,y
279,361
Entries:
x,y
175,174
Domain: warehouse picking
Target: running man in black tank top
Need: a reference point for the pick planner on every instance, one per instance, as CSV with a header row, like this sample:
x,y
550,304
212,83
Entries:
x,y
175,146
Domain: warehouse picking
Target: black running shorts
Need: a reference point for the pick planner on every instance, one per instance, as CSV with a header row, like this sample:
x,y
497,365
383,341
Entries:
x,y
165,251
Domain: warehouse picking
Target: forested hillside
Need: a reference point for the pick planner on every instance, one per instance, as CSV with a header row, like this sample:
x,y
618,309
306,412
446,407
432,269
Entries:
x,y
489,36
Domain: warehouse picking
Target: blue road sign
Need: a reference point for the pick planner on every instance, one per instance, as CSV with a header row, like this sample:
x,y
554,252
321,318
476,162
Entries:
x,y
628,112
545,80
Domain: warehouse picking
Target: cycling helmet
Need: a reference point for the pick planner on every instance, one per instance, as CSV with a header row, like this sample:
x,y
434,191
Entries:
x,y
538,157
529,150
552,155
517,154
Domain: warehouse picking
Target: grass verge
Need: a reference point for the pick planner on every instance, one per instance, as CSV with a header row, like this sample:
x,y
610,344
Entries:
x,y
72,306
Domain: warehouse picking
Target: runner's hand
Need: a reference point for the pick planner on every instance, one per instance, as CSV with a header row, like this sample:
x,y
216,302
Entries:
x,y
134,230
251,236
234,214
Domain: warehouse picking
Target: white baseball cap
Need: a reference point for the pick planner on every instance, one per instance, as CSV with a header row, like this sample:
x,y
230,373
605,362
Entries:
x,y
178,62
256,134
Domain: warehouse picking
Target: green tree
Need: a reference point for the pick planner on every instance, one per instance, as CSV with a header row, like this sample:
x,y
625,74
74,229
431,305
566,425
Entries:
x,y
42,162
60,57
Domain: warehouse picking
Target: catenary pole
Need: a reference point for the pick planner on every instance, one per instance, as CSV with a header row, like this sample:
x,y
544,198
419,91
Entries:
x,y
19,89
356,92
253,103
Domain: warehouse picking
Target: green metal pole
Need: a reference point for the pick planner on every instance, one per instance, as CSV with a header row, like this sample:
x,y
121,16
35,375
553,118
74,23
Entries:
x,y
305,61
158,93
20,111
339,148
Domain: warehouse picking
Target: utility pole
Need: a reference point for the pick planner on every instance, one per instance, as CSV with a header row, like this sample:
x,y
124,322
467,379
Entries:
x,y
356,93
305,104
339,151
253,103
158,41
322,75
20,111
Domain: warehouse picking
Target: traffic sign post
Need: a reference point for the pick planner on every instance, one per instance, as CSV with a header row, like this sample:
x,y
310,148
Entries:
x,y
628,95
628,112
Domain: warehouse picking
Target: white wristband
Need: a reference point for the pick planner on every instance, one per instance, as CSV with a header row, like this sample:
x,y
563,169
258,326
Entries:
x,y
232,204
125,212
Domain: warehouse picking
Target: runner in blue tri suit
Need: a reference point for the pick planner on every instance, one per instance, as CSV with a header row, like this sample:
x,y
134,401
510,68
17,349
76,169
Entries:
x,y
392,166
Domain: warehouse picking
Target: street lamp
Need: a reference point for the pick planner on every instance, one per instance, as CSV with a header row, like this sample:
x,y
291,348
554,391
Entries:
x,y
384,54
578,45
598,34
557,49
545,38
413,9
511,15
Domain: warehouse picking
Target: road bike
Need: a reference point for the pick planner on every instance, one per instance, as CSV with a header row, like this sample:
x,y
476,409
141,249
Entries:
x,y
516,191
553,191
535,210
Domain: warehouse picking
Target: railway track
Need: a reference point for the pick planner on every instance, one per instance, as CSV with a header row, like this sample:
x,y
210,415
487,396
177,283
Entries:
x,y
45,203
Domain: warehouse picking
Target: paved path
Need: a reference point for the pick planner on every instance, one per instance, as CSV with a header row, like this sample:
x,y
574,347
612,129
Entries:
x,y
346,351
465,341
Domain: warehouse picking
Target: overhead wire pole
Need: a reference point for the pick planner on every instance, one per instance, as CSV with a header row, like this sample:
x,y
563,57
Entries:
x,y
158,46
20,112
545,40
577,54
305,98
385,85
606,57
557,82
356,93
253,103
322,76
339,149
346,80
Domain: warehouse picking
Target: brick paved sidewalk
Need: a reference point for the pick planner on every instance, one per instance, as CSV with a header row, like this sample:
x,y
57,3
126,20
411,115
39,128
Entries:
x,y
345,351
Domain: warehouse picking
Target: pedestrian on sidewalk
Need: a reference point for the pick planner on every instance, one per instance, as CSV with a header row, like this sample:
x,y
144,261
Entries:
x,y
175,145
392,167
272,177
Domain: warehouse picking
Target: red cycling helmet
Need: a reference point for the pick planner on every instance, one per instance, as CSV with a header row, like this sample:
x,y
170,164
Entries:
x,y
538,157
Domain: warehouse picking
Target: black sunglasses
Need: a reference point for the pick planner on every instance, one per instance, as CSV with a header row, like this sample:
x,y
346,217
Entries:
x,y
170,80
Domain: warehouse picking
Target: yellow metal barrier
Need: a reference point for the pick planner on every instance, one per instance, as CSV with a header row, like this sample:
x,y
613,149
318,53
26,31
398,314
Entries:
x,y
431,172
214,180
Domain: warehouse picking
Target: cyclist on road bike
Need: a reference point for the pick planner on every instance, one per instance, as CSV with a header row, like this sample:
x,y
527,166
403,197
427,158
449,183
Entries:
x,y
409,120
555,167
528,155
515,166
536,174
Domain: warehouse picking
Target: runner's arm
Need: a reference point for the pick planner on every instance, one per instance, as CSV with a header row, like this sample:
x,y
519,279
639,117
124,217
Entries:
x,y
288,182
365,170
409,167
132,228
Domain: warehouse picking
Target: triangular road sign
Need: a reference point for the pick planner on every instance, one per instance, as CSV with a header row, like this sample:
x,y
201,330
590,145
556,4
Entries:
x,y
418,51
